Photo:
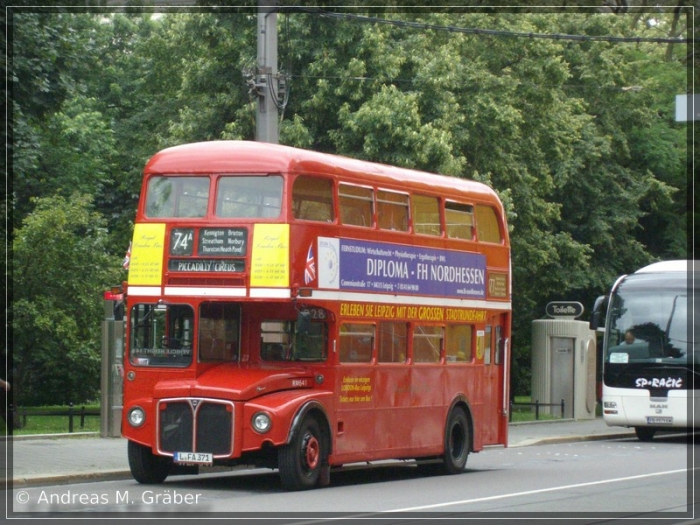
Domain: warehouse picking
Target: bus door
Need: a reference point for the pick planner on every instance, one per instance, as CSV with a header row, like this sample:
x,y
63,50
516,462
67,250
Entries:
x,y
392,392
428,379
355,389
494,377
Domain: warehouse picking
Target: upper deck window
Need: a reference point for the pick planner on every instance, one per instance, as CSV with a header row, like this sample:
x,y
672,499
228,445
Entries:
x,y
459,219
355,205
426,215
312,199
170,196
249,197
392,210
487,225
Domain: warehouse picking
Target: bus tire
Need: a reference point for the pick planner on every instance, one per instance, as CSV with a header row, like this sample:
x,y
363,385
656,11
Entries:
x,y
645,434
302,461
146,467
456,441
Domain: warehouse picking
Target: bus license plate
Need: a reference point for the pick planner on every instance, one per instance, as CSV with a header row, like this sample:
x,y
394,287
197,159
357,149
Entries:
x,y
659,420
194,458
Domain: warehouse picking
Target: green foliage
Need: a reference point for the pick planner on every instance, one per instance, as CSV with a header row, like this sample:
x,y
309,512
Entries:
x,y
578,137
60,268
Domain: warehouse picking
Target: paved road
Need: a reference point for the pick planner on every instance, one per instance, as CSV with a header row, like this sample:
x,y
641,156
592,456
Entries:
x,y
72,458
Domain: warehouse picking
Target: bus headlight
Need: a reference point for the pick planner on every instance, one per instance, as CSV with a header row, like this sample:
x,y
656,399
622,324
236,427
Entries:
x,y
136,417
610,407
261,422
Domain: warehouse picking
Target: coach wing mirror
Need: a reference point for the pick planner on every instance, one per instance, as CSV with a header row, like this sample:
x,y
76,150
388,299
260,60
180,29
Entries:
x,y
303,322
598,313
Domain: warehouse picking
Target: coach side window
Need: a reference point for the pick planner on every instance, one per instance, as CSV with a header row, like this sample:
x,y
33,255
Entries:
x,y
312,199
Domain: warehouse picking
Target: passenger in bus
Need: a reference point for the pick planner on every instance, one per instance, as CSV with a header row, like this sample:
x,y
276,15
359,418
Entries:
x,y
273,352
629,338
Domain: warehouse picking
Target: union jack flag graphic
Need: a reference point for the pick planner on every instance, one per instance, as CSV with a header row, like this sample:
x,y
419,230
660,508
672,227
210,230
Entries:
x,y
127,258
310,268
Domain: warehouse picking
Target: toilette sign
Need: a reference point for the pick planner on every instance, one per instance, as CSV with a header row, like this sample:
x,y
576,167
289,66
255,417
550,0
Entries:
x,y
565,309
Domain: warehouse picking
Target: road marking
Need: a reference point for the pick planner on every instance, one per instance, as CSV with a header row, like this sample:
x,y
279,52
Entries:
x,y
531,492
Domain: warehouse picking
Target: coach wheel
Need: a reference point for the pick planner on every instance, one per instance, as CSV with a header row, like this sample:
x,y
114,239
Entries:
x,y
302,461
456,441
645,433
145,466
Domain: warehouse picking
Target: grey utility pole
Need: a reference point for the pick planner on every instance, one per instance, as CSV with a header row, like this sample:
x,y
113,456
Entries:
x,y
266,78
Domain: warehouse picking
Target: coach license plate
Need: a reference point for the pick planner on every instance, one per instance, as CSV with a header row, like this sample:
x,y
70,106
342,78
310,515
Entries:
x,y
659,420
194,458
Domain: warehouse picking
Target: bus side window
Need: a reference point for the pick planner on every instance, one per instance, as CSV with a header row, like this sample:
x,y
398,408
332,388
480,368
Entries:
x,y
275,338
427,344
218,332
310,342
355,205
459,343
498,358
487,346
426,215
312,199
356,342
459,220
392,210
487,225
392,342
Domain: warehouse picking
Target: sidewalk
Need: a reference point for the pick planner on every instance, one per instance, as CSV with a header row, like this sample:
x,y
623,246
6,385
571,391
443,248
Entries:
x,y
73,458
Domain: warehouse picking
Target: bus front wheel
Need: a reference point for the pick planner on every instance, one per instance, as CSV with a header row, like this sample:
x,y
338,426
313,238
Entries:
x,y
645,433
146,467
302,461
456,441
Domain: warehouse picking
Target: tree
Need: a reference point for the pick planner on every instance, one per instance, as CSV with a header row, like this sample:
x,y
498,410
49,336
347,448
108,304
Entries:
x,y
577,136
60,267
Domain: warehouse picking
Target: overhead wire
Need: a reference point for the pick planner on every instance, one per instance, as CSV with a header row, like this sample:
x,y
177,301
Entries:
x,y
485,32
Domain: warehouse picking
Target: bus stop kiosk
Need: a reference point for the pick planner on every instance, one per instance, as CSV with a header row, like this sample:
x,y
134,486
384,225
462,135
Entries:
x,y
564,362
112,371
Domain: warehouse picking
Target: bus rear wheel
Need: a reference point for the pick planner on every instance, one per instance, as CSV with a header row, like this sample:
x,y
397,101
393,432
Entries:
x,y
302,461
456,441
146,467
645,433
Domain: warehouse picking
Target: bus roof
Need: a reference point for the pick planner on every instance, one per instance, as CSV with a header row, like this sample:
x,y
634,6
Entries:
x,y
233,156
667,266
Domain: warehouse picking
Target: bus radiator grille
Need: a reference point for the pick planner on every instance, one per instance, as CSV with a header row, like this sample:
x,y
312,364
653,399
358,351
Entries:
x,y
195,425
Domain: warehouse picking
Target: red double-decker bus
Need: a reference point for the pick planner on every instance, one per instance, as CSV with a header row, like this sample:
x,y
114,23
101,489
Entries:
x,y
302,311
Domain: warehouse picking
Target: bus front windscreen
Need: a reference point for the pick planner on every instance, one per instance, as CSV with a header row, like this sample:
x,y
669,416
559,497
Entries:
x,y
648,332
161,335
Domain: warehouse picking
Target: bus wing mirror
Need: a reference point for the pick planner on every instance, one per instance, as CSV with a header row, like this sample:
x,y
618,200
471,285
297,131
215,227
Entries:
x,y
598,312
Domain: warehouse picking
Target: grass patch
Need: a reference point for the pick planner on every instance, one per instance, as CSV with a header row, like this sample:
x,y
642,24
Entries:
x,y
43,424
521,414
